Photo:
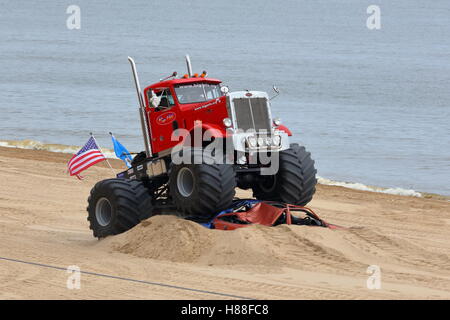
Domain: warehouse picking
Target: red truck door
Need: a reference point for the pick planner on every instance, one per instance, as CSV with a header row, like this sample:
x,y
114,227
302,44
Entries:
x,y
163,121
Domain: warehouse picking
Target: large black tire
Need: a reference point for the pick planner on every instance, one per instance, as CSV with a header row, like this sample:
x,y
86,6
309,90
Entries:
x,y
206,188
295,182
117,205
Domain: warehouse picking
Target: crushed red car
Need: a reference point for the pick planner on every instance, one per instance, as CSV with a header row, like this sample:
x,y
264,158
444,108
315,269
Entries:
x,y
244,213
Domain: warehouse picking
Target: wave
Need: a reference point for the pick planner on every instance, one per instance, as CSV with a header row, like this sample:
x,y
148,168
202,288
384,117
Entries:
x,y
363,187
36,145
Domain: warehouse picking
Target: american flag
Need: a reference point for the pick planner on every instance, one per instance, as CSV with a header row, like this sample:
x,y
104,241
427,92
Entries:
x,y
89,155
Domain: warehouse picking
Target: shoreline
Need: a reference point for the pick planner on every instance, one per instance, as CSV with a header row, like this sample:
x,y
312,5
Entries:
x,y
66,149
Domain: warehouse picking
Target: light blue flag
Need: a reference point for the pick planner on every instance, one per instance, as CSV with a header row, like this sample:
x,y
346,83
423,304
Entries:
x,y
121,152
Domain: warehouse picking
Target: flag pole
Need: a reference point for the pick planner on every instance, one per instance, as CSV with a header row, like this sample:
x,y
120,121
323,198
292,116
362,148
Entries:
x,y
112,136
109,164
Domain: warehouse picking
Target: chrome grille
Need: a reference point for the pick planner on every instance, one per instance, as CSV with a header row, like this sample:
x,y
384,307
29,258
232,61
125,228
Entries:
x,y
252,113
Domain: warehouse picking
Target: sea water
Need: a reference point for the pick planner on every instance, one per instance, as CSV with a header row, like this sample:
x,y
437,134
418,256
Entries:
x,y
372,105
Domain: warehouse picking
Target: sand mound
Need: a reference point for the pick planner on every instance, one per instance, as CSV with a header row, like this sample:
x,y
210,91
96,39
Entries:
x,y
175,239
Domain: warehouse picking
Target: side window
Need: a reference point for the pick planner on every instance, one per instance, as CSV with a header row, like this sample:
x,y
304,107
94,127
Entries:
x,y
162,100
212,91
166,98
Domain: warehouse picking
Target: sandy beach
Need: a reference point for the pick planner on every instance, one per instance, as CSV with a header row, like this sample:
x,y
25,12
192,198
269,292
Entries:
x,y
43,230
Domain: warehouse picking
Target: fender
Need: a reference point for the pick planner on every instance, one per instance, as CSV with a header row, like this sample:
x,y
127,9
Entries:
x,y
285,129
215,130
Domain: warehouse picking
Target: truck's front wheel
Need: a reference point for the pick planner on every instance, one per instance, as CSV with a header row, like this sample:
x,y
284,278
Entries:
x,y
200,188
295,182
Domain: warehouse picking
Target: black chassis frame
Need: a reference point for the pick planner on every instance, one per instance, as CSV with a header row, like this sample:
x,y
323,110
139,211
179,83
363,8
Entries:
x,y
158,184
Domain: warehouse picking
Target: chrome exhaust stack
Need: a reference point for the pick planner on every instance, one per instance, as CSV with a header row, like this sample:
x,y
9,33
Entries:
x,y
144,124
189,66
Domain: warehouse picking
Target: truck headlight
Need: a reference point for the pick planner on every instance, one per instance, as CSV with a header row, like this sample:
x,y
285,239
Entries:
x,y
261,141
227,122
276,140
251,142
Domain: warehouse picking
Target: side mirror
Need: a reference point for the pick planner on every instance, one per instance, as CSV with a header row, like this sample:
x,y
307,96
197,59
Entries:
x,y
224,89
277,92
276,89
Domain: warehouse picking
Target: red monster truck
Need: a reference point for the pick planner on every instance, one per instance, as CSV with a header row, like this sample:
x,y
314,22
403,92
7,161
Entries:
x,y
172,111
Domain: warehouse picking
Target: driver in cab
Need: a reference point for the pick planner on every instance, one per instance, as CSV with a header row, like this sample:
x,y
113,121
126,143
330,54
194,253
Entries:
x,y
160,101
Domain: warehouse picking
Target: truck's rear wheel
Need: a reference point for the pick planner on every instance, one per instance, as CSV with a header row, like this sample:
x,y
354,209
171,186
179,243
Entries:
x,y
295,182
117,205
202,189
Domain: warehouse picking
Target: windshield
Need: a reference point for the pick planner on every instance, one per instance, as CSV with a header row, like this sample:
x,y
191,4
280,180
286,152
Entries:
x,y
197,92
